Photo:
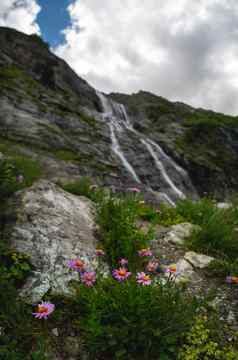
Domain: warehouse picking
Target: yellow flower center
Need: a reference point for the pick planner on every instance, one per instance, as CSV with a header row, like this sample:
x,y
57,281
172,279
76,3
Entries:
x,y
122,272
42,309
146,277
172,268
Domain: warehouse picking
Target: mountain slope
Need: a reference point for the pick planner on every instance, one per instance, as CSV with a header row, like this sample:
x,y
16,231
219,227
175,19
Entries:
x,y
203,142
57,118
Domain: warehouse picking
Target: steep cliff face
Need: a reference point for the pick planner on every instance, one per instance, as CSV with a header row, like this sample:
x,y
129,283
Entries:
x,y
50,114
203,142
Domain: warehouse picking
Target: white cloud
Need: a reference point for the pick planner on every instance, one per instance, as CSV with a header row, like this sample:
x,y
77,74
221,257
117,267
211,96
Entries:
x,y
20,14
184,50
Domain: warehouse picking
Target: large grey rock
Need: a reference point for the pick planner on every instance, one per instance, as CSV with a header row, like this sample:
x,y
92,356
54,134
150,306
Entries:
x,y
199,261
178,233
53,227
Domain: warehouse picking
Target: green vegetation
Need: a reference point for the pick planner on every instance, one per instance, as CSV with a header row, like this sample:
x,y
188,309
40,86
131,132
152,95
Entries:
x,y
205,120
222,268
122,320
217,234
16,173
165,215
84,187
11,75
205,341
67,155
121,237
116,217
129,321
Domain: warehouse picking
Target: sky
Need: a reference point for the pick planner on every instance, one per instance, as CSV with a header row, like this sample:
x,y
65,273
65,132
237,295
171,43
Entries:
x,y
184,50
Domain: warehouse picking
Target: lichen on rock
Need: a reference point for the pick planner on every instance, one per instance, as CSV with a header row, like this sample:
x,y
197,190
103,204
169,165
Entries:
x,y
52,227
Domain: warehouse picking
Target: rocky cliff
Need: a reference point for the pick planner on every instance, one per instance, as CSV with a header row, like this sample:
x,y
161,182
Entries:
x,y
50,114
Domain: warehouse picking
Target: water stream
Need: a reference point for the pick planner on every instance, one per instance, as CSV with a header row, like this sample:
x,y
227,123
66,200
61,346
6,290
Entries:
x,y
118,121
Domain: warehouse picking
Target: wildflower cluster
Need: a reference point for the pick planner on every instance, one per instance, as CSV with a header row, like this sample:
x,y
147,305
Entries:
x,y
121,274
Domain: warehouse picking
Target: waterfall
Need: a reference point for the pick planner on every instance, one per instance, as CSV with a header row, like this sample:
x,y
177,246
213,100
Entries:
x,y
161,168
118,120
114,126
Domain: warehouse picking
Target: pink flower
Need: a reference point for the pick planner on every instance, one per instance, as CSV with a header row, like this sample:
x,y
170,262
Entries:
x,y
44,310
123,262
143,279
134,189
121,274
171,269
88,278
232,279
77,265
152,266
100,252
145,252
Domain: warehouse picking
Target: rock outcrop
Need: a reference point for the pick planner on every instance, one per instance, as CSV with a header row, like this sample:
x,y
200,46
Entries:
x,y
52,227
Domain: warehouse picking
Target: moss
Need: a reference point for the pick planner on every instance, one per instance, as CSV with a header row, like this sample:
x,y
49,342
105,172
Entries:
x,y
202,144
67,155
203,120
12,74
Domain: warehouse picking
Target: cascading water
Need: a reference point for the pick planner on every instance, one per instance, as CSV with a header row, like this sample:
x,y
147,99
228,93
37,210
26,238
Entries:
x,y
114,126
118,120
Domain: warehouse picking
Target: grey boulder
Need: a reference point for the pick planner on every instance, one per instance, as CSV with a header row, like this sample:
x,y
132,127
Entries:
x,y
52,227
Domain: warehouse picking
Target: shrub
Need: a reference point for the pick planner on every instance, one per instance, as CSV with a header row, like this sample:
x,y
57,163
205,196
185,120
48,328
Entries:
x,y
217,236
120,236
203,342
196,212
222,268
169,216
84,187
8,182
11,168
129,321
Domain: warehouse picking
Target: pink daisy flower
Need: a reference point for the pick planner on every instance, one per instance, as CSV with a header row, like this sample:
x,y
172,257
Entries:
x,y
77,265
100,252
88,278
145,252
44,310
121,274
143,279
152,266
123,262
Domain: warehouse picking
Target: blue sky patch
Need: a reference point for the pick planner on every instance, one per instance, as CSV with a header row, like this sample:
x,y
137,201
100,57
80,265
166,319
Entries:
x,y
52,19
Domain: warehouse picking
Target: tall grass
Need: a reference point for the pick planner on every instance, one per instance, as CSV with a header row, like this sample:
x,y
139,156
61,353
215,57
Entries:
x,y
218,227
